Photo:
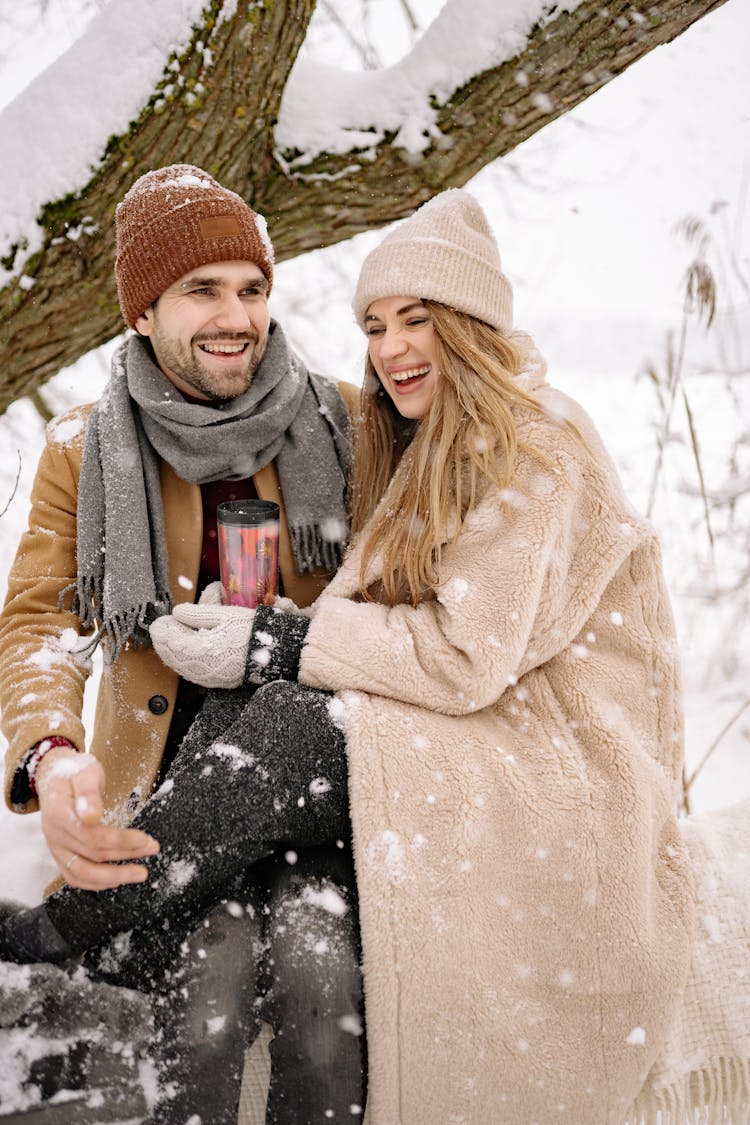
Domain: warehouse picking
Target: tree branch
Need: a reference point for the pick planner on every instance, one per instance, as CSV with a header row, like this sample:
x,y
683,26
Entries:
x,y
219,117
564,62
222,118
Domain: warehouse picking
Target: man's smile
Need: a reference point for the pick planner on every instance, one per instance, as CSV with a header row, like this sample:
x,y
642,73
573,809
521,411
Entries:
x,y
224,349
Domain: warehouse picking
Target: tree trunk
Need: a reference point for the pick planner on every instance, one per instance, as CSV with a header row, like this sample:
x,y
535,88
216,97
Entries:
x,y
72,305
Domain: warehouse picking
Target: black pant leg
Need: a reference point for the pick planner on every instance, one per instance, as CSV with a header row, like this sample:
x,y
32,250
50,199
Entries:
x,y
315,1000
206,1015
277,773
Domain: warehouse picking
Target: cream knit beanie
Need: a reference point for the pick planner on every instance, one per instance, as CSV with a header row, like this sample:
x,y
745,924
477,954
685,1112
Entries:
x,y
444,252
175,219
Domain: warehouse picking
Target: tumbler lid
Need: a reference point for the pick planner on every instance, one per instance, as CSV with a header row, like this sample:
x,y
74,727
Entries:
x,y
247,513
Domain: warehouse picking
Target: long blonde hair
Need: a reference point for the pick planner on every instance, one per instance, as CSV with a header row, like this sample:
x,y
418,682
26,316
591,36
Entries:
x,y
466,441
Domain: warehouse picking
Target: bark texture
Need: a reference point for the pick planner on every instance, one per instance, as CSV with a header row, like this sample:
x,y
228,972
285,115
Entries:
x,y
222,119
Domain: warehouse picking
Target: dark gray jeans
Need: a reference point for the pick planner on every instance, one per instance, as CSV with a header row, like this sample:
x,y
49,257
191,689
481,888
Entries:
x,y
258,775
286,951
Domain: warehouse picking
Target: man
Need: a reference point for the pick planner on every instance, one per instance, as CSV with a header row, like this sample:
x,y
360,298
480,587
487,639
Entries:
x,y
206,403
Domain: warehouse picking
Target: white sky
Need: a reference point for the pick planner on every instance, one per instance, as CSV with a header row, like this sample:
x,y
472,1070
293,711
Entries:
x,y
669,137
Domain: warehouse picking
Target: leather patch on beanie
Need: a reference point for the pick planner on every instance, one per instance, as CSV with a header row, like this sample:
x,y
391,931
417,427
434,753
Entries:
x,y
173,220
219,226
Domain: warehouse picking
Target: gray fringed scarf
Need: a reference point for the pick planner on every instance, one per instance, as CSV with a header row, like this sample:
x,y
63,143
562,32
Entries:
x,y
287,413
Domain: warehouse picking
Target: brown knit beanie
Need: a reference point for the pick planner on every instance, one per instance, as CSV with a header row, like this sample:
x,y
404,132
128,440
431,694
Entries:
x,y
445,252
174,219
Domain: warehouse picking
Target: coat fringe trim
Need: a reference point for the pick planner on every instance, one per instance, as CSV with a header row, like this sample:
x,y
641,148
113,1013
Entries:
x,y
119,629
716,1094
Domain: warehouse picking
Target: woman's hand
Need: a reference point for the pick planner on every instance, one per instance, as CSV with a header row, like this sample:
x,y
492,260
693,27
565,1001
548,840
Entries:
x,y
205,643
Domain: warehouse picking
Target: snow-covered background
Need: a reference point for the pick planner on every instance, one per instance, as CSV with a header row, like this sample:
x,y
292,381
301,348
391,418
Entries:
x,y
585,215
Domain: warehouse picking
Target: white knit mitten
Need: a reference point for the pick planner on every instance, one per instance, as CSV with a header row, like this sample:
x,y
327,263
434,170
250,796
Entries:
x,y
205,643
211,594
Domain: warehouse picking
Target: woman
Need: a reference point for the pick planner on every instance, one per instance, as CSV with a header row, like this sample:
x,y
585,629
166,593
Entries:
x,y
506,719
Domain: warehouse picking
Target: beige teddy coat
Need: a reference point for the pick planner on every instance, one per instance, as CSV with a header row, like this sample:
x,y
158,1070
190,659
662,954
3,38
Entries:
x,y
515,749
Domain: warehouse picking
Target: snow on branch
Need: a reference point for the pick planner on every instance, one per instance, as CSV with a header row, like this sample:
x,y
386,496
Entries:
x,y
328,110
204,84
53,135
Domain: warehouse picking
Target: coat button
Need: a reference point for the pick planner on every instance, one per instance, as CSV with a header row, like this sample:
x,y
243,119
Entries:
x,y
157,704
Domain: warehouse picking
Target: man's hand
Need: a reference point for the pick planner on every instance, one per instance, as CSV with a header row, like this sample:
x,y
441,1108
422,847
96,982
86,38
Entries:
x,y
90,854
205,643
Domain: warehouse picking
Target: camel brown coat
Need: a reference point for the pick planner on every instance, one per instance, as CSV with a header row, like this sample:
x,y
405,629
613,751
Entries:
x,y
514,752
42,682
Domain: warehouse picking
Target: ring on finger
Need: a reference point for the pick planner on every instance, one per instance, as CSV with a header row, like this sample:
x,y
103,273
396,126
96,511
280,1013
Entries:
x,y
71,861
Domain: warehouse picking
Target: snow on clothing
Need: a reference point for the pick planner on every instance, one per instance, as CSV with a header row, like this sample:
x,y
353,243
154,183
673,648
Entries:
x,y
256,772
42,681
514,748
